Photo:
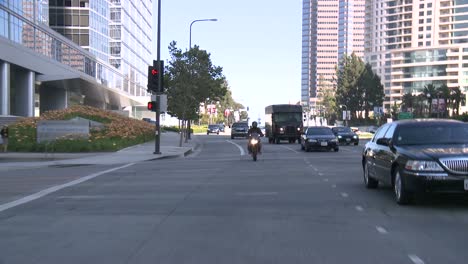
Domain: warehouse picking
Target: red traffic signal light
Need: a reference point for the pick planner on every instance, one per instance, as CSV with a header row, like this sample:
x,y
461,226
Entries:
x,y
155,77
152,106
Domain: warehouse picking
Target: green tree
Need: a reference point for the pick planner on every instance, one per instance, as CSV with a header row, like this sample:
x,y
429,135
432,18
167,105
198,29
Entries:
x,y
443,92
371,89
348,74
190,79
408,102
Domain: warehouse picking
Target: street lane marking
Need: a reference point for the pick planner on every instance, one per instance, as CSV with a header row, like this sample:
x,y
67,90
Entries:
x,y
415,259
359,208
53,189
381,230
334,186
315,169
238,146
325,180
256,193
320,174
286,147
344,195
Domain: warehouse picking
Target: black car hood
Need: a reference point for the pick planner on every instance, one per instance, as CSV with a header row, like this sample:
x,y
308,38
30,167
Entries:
x,y
433,152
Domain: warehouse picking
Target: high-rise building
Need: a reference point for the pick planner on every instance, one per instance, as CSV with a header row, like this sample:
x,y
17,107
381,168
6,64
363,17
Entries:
x,y
411,44
330,29
117,32
43,70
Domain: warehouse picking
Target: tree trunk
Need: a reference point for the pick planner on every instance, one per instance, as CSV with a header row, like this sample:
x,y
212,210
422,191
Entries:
x,y
181,133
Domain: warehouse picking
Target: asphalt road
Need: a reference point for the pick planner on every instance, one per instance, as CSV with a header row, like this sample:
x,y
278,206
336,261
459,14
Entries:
x,y
218,206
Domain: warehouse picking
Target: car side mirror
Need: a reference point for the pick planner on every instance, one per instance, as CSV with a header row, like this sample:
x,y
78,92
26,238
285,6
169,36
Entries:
x,y
383,141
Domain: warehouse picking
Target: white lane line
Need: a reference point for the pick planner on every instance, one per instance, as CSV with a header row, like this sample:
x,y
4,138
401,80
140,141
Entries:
x,y
256,193
381,230
238,146
288,148
359,208
334,186
325,180
320,174
315,169
53,189
345,195
415,259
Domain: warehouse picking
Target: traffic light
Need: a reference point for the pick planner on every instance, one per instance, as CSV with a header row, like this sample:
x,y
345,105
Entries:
x,y
156,73
152,106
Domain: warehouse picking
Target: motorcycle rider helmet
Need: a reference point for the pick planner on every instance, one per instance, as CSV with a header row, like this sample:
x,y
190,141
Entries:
x,y
254,124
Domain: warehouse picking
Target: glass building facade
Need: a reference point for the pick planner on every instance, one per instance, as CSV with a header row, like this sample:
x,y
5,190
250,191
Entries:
x,y
24,22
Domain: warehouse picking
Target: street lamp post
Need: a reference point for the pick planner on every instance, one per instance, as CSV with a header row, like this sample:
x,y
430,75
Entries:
x,y
190,47
346,115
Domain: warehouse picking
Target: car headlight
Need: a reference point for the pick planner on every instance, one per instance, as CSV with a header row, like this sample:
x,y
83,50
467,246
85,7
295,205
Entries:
x,y
334,140
354,136
339,136
423,165
298,129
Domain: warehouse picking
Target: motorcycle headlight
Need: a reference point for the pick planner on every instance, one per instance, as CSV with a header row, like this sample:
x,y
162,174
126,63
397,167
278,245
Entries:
x,y
253,141
423,165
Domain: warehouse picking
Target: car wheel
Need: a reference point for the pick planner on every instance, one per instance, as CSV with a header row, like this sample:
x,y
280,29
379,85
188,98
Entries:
x,y
337,149
207,133
402,196
356,143
299,141
217,133
307,149
232,137
277,141
369,182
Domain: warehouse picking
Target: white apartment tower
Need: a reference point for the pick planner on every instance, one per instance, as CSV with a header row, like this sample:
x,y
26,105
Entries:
x,y
412,43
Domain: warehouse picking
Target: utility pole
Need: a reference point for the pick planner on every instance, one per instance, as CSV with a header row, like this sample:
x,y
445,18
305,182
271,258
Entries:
x,y
157,143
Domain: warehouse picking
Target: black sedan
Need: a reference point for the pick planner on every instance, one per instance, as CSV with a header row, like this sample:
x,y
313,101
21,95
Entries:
x,y
423,155
213,129
319,138
345,135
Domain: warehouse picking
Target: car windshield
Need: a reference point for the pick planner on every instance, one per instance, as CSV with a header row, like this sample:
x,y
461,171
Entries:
x,y
288,117
213,126
319,131
421,134
342,129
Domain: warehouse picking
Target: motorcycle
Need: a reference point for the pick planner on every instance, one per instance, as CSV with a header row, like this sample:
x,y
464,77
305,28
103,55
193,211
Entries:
x,y
254,141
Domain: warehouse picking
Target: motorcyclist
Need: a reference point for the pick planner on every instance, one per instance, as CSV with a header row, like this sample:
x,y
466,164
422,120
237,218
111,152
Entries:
x,y
255,129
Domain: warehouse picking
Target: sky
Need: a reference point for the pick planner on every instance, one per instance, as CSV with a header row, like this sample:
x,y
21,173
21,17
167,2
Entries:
x,y
256,42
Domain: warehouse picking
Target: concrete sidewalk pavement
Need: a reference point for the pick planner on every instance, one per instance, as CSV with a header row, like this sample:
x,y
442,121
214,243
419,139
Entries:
x,y
143,152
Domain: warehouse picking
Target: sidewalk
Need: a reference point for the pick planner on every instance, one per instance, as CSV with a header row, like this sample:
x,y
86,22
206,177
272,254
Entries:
x,y
143,152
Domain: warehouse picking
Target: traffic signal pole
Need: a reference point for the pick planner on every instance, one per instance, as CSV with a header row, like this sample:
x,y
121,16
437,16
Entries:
x,y
157,142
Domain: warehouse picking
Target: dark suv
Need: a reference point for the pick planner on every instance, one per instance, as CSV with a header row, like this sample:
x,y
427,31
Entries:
x,y
239,129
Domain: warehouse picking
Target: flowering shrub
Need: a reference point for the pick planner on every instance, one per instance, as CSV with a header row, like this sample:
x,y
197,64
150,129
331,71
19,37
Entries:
x,y
119,132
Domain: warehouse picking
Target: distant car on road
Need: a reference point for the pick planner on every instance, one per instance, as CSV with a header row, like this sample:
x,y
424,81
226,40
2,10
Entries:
x,y
221,128
346,135
239,129
422,155
214,129
319,138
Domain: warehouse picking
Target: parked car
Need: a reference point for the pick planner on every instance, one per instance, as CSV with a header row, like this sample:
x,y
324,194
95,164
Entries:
x,y
319,138
213,129
239,129
345,135
424,155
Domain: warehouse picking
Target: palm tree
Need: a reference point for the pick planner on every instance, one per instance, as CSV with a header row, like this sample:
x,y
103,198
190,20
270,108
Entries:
x,y
430,92
408,101
443,92
456,97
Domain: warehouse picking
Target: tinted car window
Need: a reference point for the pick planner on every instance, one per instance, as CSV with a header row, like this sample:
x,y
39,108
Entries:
x,y
390,131
422,134
319,131
239,125
213,126
342,129
380,133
